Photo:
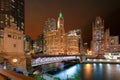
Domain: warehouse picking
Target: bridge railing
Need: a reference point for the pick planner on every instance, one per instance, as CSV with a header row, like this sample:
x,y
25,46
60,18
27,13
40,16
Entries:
x,y
47,60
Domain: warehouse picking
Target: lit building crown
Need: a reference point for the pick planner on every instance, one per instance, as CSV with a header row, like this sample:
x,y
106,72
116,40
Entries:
x,y
60,15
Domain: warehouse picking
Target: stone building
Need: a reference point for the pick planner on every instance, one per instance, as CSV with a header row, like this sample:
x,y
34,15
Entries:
x,y
55,37
12,47
102,42
72,43
57,42
111,43
97,43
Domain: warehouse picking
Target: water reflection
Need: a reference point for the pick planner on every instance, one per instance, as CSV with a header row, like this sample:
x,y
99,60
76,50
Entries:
x,y
68,72
87,71
92,72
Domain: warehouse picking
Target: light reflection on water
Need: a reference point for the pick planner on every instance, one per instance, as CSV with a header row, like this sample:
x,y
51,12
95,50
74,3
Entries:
x,y
87,71
68,72
92,72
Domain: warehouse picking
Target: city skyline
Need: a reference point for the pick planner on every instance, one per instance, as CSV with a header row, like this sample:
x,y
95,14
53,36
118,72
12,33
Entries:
x,y
77,14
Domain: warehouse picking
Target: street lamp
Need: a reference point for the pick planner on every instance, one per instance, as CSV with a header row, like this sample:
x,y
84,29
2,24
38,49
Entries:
x,y
14,60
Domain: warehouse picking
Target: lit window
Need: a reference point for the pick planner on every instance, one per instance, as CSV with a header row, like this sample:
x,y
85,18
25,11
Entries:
x,y
14,36
13,0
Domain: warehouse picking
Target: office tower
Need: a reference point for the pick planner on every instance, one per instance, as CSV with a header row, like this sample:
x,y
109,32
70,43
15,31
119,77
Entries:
x,y
12,11
98,36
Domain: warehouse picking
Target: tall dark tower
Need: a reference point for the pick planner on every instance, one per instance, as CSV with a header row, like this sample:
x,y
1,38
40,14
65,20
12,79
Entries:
x,y
12,11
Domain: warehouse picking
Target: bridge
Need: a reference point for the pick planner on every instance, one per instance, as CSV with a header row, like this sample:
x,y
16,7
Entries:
x,y
37,60
47,59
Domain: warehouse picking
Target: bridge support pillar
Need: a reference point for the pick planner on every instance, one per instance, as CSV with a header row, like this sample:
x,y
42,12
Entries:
x,y
16,62
28,63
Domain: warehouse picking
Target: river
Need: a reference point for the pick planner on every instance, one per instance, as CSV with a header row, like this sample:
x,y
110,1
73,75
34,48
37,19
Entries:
x,y
94,71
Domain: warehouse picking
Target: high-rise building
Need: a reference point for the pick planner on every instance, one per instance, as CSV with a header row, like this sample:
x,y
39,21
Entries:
x,y
27,43
73,42
57,42
12,11
111,43
102,42
49,28
98,36
55,36
38,44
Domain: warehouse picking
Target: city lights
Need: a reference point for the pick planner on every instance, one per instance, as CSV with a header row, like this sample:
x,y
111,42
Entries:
x,y
14,60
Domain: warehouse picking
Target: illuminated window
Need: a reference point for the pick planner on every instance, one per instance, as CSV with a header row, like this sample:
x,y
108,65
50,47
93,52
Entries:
x,y
13,0
14,36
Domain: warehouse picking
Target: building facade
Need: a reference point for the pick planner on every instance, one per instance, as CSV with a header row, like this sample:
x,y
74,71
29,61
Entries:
x,y
12,47
112,44
27,43
38,44
12,11
72,43
102,42
55,37
57,42
98,36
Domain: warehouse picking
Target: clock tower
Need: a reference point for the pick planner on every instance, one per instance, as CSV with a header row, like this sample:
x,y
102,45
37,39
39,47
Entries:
x,y
60,24
98,36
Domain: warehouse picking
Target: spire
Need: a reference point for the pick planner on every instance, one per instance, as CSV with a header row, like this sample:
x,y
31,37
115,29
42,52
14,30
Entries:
x,y
60,15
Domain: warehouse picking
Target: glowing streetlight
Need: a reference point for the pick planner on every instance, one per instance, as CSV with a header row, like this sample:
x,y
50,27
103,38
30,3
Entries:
x,y
89,51
14,60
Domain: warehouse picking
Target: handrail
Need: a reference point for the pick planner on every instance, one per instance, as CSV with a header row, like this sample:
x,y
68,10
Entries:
x,y
14,76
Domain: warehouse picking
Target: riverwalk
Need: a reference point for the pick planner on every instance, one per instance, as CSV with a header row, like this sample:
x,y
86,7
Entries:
x,y
112,61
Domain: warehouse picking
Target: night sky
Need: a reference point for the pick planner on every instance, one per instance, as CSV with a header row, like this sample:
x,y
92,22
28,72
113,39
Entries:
x,y
76,13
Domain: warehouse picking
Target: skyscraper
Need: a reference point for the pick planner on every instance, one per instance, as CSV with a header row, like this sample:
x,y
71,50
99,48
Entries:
x,y
57,42
12,11
98,36
102,42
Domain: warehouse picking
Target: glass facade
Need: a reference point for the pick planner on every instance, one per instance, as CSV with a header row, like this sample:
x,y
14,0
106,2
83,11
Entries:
x,y
12,11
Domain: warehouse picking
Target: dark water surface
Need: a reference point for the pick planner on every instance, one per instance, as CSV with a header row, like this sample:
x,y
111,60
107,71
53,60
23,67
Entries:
x,y
91,72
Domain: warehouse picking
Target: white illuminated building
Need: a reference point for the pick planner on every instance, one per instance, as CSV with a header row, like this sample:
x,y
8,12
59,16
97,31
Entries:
x,y
11,46
102,42
57,42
